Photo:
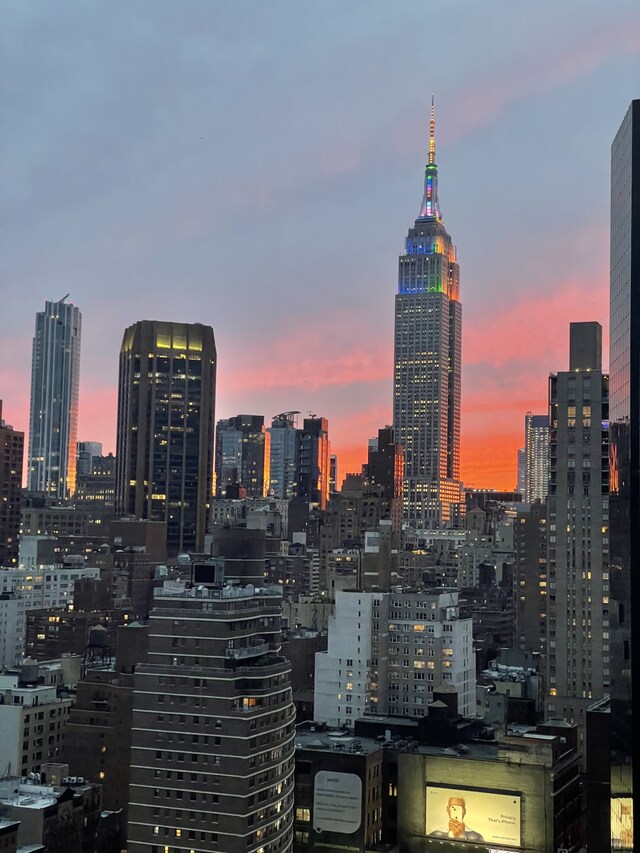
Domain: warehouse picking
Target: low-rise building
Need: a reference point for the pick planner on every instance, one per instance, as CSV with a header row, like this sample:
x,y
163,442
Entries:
x,y
52,818
338,792
32,721
518,792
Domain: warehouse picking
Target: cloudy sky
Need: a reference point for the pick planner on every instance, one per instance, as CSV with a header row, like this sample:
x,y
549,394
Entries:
x,y
255,165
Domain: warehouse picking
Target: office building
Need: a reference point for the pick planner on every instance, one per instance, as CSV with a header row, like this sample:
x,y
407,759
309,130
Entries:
x,y
53,421
334,485
578,646
212,764
427,363
95,492
536,450
521,485
41,516
313,462
166,417
624,537
11,454
242,457
283,462
387,651
85,454
531,585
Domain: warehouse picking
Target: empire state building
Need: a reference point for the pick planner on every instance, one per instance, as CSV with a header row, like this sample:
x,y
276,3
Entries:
x,y
427,363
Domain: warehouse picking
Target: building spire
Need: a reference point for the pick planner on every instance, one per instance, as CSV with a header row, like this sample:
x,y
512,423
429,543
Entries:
x,y
432,132
430,207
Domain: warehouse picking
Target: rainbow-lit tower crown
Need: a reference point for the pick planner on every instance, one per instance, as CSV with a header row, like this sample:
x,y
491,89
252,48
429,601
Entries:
x,y
429,261
430,203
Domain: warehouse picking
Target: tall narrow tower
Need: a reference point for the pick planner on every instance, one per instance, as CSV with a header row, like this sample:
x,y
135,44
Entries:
x,y
578,651
624,360
427,363
55,378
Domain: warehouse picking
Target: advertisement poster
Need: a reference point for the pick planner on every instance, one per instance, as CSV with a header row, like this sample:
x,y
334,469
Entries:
x,y
462,814
337,802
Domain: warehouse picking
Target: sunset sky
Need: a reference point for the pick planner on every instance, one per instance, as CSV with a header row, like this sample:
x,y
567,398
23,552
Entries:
x,y
256,166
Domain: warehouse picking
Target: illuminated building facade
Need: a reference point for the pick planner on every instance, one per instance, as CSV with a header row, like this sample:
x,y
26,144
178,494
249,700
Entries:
x,y
624,499
53,420
427,364
536,451
577,582
166,410
313,462
519,792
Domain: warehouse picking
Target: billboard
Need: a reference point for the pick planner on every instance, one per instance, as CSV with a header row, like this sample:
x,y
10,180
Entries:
x,y
337,802
464,814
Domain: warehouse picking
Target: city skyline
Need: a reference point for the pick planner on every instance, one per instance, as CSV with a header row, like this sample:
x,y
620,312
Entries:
x,y
139,192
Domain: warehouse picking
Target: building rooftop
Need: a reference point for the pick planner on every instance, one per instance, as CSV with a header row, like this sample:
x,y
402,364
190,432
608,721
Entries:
x,y
309,736
30,794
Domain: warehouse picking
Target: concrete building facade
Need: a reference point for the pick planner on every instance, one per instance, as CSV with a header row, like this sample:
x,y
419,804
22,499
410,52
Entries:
x,y
213,725
578,636
387,651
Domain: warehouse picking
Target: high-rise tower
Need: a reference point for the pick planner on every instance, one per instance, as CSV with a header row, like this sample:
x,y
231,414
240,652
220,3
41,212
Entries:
x,y
577,582
242,456
624,474
166,406
11,453
55,379
284,455
536,452
427,363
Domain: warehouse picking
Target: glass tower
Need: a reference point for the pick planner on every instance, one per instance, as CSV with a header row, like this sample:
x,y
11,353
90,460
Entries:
x,y
427,363
624,474
55,378
166,403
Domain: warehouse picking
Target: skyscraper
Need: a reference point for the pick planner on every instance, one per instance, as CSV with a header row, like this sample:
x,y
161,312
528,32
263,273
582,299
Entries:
x,y
313,462
11,453
521,485
53,421
625,472
577,582
242,456
284,455
536,451
427,363
166,408
212,766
